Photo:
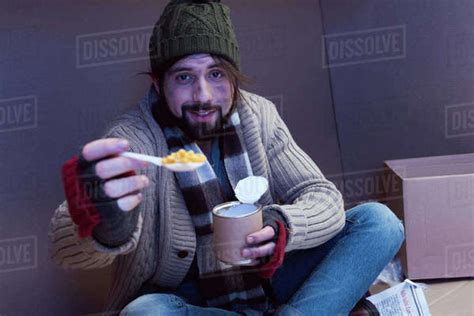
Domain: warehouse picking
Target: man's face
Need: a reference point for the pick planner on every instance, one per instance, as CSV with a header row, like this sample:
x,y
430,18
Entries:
x,y
198,92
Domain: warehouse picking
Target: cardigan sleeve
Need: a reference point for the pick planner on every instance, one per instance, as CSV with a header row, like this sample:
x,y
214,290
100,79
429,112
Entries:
x,y
68,250
312,205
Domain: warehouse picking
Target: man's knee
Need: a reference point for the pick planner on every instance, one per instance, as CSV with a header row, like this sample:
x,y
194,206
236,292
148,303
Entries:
x,y
154,304
381,218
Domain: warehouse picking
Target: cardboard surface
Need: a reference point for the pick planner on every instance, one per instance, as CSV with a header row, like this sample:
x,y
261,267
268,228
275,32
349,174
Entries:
x,y
437,208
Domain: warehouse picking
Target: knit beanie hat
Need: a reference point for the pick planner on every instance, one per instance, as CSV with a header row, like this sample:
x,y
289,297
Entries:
x,y
191,27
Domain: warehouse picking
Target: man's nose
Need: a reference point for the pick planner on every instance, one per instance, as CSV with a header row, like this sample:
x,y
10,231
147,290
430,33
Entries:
x,y
202,91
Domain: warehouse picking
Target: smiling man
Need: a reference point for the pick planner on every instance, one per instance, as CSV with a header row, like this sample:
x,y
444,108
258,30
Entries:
x,y
203,109
155,226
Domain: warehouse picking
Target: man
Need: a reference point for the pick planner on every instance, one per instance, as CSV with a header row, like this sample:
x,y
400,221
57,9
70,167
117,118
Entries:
x,y
154,226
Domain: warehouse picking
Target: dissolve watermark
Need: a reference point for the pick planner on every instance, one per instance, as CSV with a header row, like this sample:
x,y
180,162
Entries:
x,y
365,185
459,120
261,43
111,47
18,254
19,43
459,259
461,191
23,182
96,117
460,50
18,113
364,46
379,114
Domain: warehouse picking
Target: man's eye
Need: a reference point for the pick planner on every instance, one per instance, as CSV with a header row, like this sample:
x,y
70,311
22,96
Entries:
x,y
183,78
216,74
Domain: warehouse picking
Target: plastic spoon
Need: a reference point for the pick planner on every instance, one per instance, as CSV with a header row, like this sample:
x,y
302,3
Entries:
x,y
176,167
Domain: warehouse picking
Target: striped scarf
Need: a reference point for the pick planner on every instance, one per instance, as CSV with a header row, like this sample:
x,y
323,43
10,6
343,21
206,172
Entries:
x,y
221,285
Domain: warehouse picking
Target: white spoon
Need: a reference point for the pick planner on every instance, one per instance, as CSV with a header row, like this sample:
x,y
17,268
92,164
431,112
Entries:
x,y
176,167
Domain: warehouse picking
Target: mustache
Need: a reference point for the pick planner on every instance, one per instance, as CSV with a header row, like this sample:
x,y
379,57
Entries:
x,y
200,107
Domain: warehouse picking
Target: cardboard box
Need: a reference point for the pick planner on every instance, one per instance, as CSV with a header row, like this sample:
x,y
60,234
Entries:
x,y
436,203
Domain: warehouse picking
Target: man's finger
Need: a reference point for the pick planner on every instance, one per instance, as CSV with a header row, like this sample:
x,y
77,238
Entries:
x,y
101,148
264,234
257,252
120,187
129,202
112,167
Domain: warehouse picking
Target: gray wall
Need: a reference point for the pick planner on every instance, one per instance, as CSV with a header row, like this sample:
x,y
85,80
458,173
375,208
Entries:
x,y
410,96
349,112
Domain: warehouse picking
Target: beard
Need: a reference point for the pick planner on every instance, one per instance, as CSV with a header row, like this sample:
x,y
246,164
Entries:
x,y
197,127
195,130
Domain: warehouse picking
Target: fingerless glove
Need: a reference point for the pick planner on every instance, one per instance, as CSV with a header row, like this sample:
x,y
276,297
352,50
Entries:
x,y
270,264
90,208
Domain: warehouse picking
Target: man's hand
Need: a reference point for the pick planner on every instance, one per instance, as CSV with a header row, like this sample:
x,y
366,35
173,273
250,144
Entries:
x,y
102,188
268,244
108,165
261,243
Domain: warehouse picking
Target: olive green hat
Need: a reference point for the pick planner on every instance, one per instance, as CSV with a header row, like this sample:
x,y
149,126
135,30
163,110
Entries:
x,y
190,27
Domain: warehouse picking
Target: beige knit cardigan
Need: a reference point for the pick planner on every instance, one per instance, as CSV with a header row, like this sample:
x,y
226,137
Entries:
x,y
311,204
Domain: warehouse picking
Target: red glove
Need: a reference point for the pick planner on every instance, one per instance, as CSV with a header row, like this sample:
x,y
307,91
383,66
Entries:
x,y
87,201
267,270
81,209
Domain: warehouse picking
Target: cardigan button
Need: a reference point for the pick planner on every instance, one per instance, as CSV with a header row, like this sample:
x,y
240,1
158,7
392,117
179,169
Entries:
x,y
183,253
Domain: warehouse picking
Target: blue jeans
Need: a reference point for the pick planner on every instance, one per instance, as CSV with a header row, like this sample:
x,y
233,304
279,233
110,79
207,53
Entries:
x,y
325,280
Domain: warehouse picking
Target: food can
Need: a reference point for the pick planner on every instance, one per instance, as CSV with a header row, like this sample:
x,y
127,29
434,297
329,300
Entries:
x,y
232,223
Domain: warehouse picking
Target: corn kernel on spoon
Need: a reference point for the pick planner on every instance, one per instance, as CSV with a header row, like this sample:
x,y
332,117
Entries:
x,y
176,167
